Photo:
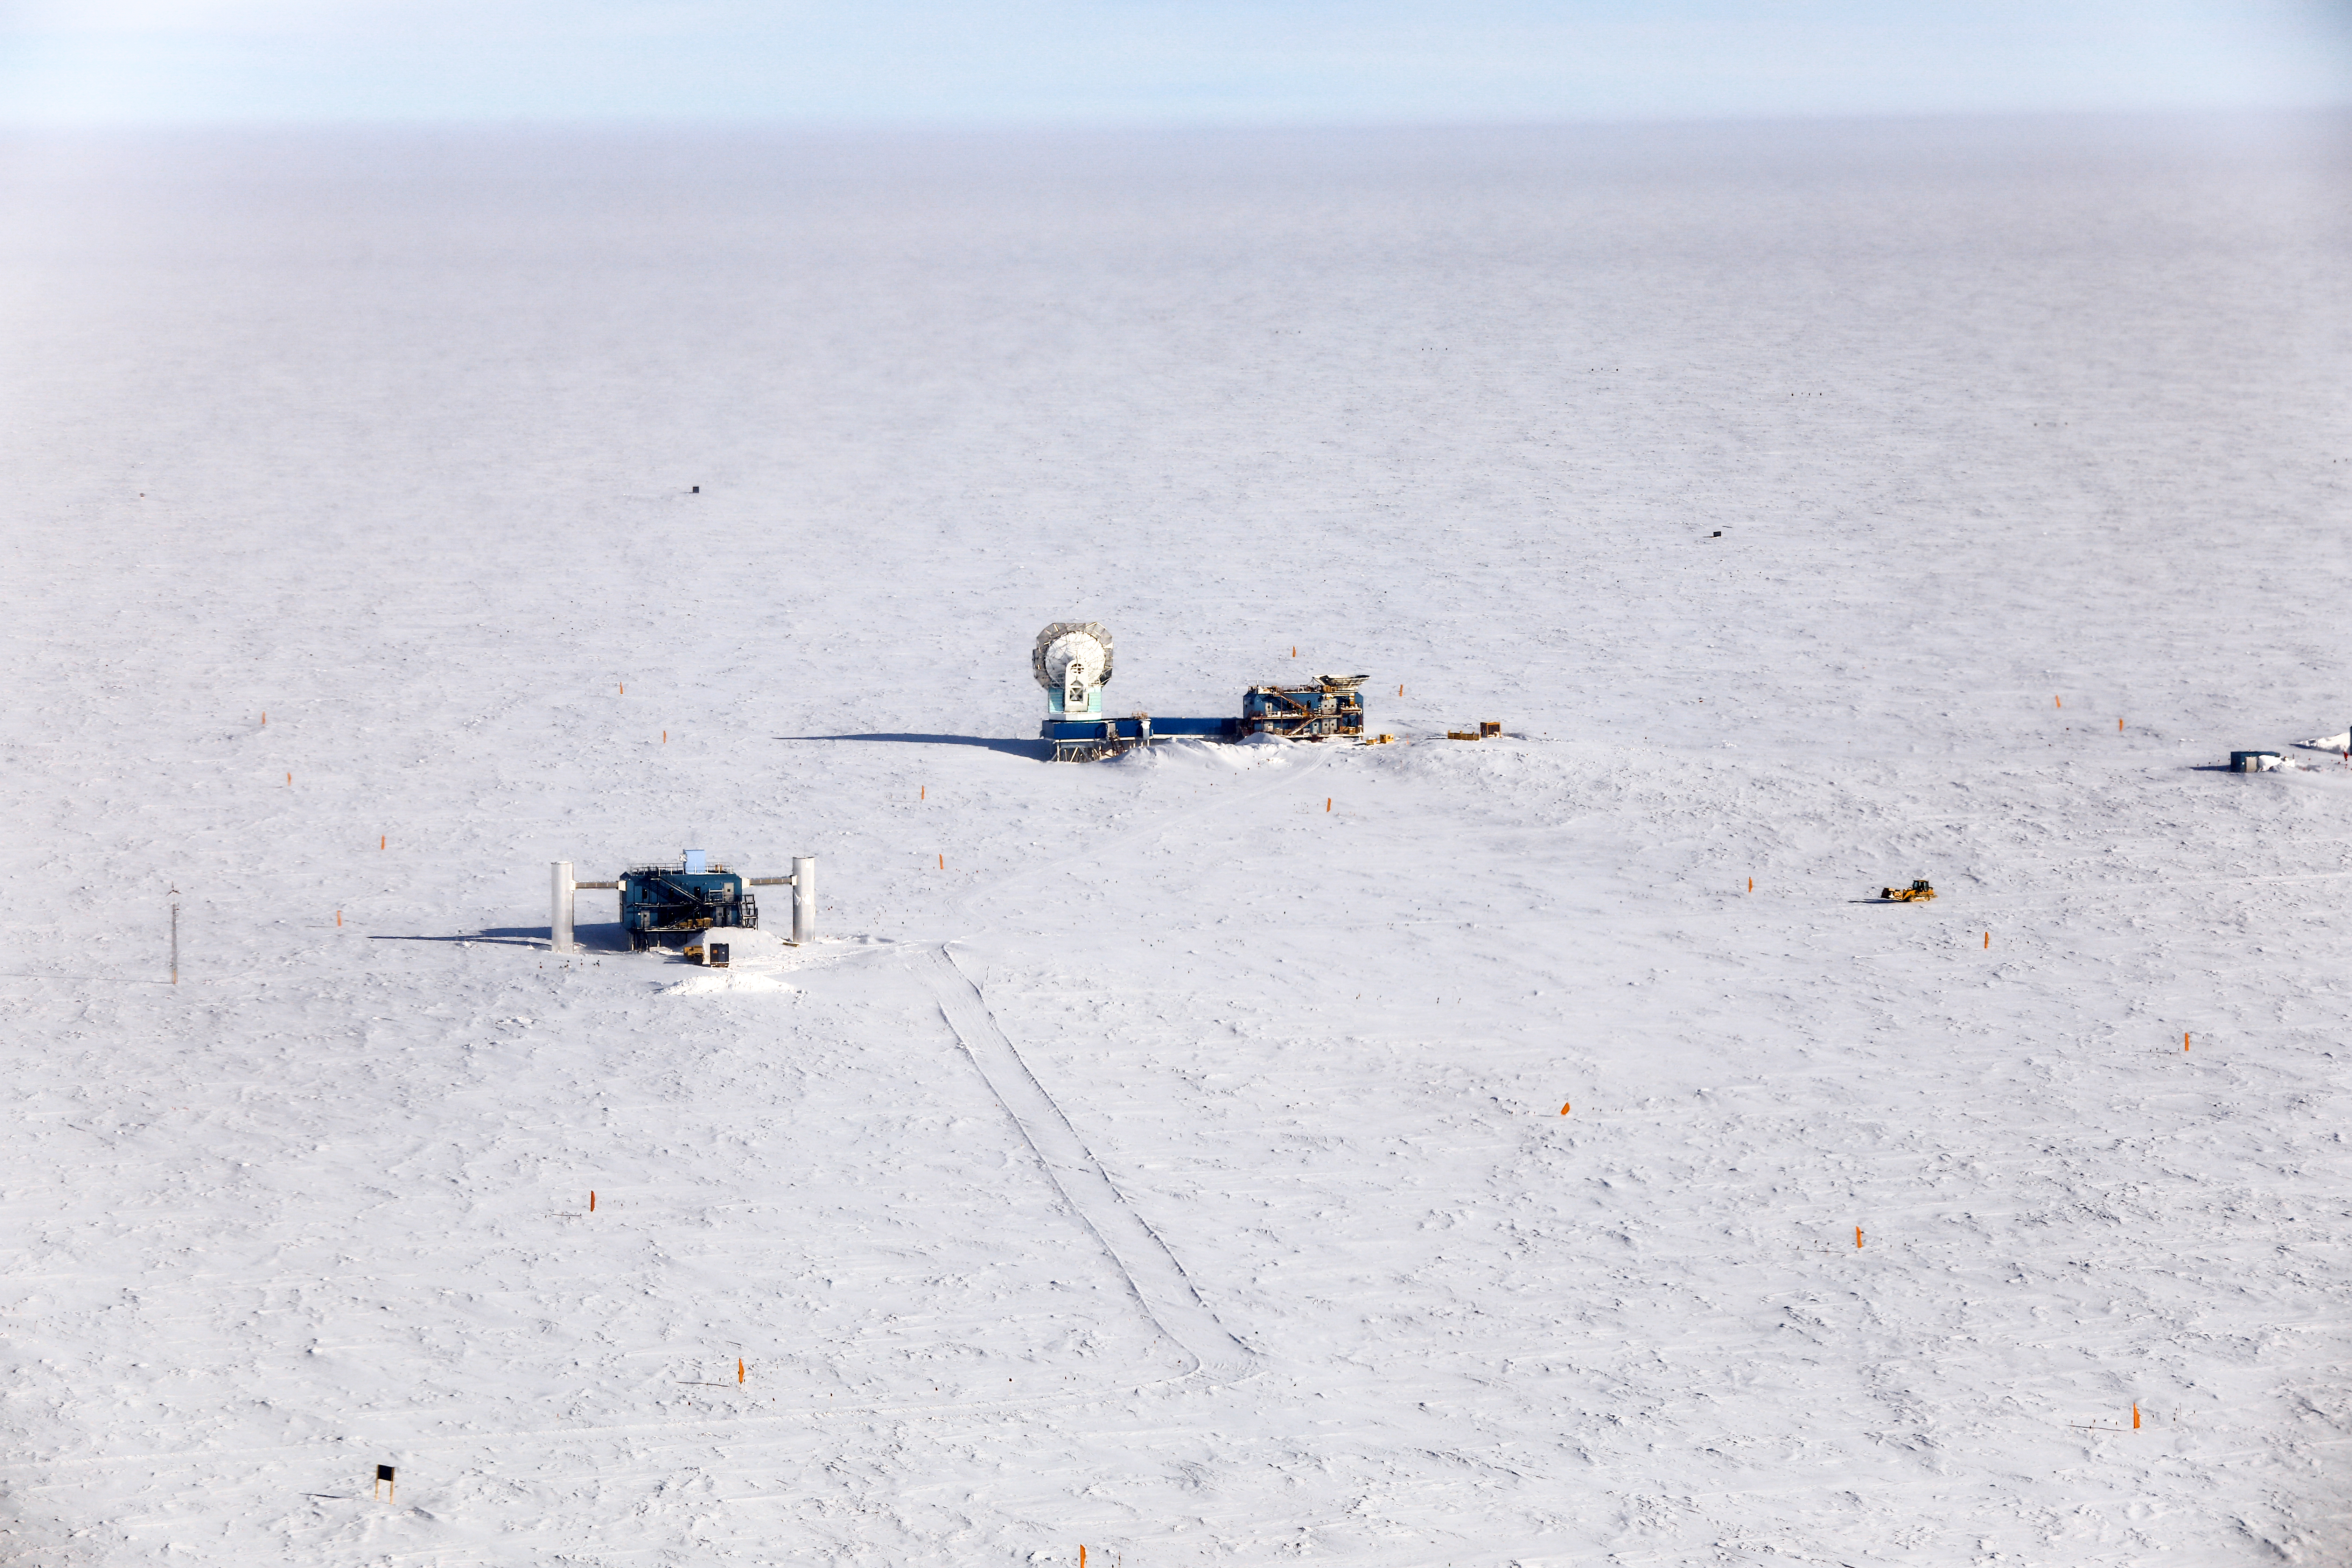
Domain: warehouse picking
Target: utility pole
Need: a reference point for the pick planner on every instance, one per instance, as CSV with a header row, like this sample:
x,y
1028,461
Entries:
x,y
175,933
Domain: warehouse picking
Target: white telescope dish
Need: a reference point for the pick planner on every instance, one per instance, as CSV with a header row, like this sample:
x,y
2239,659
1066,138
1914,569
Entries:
x,y
1086,644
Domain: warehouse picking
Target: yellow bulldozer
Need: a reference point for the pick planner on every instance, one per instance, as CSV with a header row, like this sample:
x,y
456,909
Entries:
x,y
1917,892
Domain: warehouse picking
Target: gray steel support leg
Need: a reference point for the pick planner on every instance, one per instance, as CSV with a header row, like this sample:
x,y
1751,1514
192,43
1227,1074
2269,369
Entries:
x,y
559,921
804,898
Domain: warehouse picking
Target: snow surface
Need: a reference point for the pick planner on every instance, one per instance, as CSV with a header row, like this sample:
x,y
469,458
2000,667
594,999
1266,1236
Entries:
x,y
1153,1156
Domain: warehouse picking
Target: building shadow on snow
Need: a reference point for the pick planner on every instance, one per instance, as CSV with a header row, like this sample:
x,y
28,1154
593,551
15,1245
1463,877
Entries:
x,y
1036,751
606,937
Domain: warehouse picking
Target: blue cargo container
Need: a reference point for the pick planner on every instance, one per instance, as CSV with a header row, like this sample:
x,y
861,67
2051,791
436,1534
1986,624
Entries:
x,y
1083,740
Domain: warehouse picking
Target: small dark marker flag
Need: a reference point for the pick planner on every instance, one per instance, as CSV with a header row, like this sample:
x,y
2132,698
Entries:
x,y
383,1472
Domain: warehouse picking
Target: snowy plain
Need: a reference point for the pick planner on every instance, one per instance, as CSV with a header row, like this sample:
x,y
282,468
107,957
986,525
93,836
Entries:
x,y
1167,1156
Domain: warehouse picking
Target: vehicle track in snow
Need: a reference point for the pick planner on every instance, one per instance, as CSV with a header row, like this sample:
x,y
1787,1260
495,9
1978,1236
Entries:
x,y
1158,1281
1149,1266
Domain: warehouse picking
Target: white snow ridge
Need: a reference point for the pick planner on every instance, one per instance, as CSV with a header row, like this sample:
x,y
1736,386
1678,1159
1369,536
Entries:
x,y
1543,1149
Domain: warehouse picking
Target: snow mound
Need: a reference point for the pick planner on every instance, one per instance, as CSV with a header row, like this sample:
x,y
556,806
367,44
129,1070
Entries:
x,y
729,982
2329,742
755,959
1223,756
748,947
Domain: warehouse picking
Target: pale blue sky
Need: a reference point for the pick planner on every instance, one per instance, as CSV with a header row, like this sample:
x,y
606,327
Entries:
x,y
133,61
